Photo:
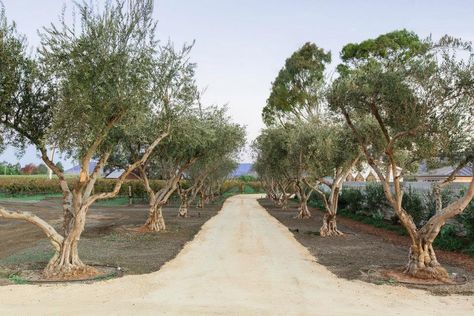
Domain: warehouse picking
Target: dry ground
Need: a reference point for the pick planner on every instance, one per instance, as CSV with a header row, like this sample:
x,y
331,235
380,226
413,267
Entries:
x,y
365,249
105,240
242,262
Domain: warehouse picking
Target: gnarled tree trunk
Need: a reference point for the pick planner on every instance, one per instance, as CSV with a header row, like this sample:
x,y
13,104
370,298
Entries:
x,y
303,210
329,227
183,207
202,199
66,262
422,262
155,221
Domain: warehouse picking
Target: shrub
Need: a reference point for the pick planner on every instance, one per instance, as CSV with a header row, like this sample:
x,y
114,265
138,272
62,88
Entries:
x,y
467,220
351,200
449,238
316,200
413,204
375,200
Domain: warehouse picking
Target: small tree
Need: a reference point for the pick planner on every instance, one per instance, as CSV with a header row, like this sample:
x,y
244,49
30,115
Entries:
x,y
408,101
29,169
332,156
272,166
201,178
286,150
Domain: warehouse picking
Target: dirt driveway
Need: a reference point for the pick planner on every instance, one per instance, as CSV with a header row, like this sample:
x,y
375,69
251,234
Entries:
x,y
242,262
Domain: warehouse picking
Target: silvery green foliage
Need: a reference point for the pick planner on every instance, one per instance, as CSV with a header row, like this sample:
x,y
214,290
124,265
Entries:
x,y
25,96
204,135
410,96
103,68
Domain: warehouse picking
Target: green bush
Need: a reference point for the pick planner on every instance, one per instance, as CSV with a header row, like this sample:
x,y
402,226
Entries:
x,y
413,203
316,200
375,200
467,220
352,200
449,238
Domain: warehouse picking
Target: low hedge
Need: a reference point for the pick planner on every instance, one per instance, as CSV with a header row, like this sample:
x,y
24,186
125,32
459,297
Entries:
x,y
370,206
33,185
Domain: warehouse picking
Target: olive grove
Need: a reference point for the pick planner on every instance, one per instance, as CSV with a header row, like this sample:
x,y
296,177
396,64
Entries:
x,y
97,87
396,102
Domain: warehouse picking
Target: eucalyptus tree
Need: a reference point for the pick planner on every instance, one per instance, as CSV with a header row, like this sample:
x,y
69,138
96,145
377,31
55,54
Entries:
x,y
94,80
195,135
408,101
332,154
297,91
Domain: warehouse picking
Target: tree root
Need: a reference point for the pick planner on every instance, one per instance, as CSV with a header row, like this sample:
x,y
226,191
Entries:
x,y
69,271
326,232
438,272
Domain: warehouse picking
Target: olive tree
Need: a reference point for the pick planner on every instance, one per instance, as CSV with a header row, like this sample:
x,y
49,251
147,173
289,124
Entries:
x,y
332,155
283,151
227,141
408,101
195,135
212,186
92,82
272,166
206,174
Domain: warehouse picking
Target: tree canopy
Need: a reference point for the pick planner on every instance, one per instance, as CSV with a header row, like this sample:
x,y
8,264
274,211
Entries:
x,y
297,90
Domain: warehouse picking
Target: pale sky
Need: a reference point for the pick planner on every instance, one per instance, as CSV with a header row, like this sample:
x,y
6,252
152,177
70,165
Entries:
x,y
241,45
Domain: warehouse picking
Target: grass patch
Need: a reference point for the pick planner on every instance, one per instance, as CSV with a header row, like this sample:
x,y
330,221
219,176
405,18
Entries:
x,y
130,237
28,198
30,255
17,279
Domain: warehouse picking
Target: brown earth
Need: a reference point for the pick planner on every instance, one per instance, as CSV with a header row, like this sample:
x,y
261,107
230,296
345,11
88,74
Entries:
x,y
105,241
242,262
365,251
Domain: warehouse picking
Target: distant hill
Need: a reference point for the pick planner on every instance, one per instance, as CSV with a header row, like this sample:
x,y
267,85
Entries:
x,y
243,169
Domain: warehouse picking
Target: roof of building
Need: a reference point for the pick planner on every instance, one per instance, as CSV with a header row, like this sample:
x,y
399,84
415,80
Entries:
x,y
466,171
77,169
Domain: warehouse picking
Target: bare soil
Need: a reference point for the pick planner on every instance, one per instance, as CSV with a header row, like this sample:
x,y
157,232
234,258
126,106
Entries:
x,y
242,262
107,239
365,252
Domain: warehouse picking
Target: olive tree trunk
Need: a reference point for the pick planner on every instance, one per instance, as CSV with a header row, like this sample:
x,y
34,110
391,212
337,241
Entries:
x,y
183,207
66,263
155,221
422,261
329,226
303,196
